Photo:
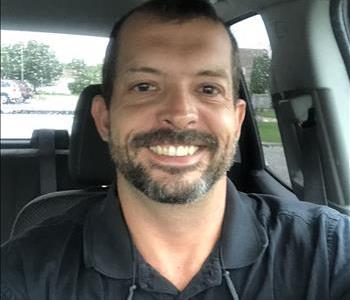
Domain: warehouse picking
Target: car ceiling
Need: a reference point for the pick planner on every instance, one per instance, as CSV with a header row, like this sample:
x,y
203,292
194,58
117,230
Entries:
x,y
93,17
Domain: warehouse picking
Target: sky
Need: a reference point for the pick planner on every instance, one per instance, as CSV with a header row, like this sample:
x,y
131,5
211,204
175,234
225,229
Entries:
x,y
249,33
66,46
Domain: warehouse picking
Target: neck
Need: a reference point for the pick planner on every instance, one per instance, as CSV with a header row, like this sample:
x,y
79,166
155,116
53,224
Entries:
x,y
174,239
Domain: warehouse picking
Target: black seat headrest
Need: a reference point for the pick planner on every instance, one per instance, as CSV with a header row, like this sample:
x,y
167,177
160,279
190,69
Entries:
x,y
89,160
60,137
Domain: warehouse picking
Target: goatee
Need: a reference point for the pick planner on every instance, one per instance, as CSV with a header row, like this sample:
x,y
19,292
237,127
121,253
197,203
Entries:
x,y
178,191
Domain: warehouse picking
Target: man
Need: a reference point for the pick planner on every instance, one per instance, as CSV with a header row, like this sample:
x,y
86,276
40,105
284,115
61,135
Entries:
x,y
173,226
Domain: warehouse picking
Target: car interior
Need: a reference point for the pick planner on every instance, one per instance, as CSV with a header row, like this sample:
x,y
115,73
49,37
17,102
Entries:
x,y
309,87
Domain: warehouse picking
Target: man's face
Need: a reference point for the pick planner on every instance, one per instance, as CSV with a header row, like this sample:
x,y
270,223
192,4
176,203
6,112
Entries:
x,y
172,120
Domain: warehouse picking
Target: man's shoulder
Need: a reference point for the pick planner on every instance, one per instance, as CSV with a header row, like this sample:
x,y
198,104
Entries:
x,y
306,243
271,209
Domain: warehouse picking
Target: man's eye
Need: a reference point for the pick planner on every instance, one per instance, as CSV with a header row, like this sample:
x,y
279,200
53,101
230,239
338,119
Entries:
x,y
143,87
209,90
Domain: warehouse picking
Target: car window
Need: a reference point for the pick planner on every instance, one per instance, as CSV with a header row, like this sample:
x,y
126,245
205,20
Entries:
x,y
42,75
255,56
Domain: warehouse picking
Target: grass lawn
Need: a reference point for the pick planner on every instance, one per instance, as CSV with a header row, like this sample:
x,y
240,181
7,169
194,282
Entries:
x,y
266,113
269,132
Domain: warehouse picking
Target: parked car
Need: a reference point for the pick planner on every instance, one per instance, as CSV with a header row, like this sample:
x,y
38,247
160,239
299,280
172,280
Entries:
x,y
26,90
11,91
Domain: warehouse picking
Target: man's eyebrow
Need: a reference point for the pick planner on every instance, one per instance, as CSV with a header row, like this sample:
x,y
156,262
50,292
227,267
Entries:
x,y
144,70
220,73
214,73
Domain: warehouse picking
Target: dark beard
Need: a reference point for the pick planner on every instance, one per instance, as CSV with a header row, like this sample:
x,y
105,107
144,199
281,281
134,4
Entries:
x,y
181,192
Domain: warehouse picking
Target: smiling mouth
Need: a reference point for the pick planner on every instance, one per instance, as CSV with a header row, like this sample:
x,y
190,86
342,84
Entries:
x,y
174,150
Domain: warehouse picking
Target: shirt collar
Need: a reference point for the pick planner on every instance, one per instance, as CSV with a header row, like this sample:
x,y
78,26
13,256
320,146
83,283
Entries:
x,y
243,237
107,243
108,246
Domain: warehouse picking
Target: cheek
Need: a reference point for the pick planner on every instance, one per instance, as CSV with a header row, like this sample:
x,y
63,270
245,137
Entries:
x,y
222,124
120,132
125,123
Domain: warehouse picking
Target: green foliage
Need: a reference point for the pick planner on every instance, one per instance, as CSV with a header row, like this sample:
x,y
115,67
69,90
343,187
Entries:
x,y
260,76
83,75
34,61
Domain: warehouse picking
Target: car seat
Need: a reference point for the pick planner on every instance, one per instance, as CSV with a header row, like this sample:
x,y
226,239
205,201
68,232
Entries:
x,y
89,164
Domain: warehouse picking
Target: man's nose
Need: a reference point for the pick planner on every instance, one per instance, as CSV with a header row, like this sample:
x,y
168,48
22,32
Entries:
x,y
179,110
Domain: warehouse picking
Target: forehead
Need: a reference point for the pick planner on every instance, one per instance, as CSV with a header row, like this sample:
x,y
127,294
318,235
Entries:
x,y
143,34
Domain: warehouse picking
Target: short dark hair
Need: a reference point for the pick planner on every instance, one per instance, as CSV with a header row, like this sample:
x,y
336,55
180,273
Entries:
x,y
164,10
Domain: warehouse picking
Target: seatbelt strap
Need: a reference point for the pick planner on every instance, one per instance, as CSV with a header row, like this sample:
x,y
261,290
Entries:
x,y
46,143
314,190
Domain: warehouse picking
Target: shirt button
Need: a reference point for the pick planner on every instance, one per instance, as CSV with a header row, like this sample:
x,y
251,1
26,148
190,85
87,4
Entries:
x,y
143,285
146,285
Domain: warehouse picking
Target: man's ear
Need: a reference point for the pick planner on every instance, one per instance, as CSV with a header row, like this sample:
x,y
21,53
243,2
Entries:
x,y
99,112
240,109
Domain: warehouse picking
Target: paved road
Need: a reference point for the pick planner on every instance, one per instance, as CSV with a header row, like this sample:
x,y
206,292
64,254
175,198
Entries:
x,y
50,111
43,103
276,161
19,126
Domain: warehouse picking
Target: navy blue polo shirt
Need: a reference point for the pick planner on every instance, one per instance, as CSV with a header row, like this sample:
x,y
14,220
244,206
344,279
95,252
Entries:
x,y
270,248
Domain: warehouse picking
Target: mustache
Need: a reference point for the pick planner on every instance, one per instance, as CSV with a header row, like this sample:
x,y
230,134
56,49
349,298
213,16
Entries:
x,y
174,137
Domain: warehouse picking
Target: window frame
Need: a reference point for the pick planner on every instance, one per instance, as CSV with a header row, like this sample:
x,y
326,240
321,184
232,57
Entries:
x,y
250,130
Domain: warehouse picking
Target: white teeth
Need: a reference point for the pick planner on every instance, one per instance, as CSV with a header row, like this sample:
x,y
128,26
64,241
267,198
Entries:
x,y
174,150
181,151
192,150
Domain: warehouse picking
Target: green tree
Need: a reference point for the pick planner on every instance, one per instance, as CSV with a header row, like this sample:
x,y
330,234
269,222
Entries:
x,y
260,76
34,62
83,75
